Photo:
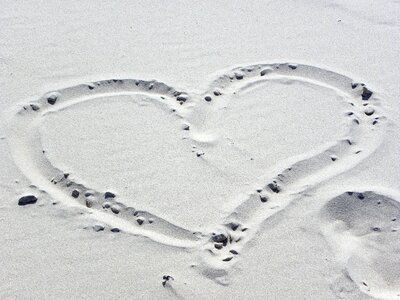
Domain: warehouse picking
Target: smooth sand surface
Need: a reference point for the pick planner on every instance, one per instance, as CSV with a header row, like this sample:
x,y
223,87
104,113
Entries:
x,y
212,150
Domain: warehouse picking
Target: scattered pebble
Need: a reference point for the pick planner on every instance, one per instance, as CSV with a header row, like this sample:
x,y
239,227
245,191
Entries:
x,y
233,226
207,98
234,252
115,229
354,85
274,187
293,67
199,153
35,107
263,198
217,93
88,194
182,98
361,196
108,195
106,205
75,193
239,76
166,278
220,238
115,208
334,157
140,220
98,228
228,258
366,94
52,99
218,246
89,203
369,111
29,199
185,127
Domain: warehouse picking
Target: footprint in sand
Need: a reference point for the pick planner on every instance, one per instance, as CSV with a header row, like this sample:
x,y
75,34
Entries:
x,y
364,233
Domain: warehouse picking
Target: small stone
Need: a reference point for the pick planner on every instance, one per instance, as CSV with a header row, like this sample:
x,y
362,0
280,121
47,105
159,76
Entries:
x,y
108,195
228,258
115,229
361,196
88,194
366,94
166,278
151,220
233,226
106,205
234,252
265,71
35,107
89,203
334,157
115,209
217,93
75,193
52,99
185,127
182,98
218,246
377,229
140,220
239,76
220,238
293,67
207,98
274,187
199,153
354,85
369,111
29,199
263,198
98,228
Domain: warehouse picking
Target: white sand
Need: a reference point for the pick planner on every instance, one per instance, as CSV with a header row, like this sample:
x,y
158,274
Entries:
x,y
200,150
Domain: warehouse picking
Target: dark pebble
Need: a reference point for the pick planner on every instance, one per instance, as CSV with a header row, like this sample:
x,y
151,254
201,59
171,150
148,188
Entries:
x,y
233,226
217,93
30,199
52,99
227,259
35,107
207,98
274,187
108,195
115,229
218,246
75,193
366,94
220,238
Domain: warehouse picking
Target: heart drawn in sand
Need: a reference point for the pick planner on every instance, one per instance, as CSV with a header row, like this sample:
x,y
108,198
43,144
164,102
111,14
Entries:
x,y
183,163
